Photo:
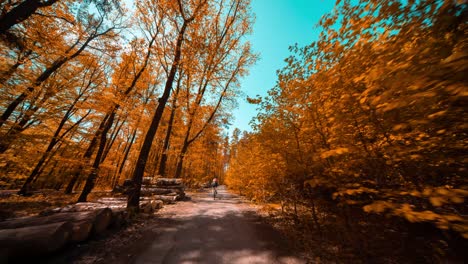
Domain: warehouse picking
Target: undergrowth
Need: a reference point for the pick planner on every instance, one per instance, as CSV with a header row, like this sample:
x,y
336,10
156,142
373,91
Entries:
x,y
363,238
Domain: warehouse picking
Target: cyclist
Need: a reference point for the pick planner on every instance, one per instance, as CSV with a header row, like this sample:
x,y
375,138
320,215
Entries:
x,y
214,185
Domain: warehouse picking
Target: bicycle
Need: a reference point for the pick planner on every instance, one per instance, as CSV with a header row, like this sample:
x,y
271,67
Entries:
x,y
215,192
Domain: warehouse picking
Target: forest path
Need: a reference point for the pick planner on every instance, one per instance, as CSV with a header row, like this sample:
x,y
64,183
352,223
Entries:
x,y
203,230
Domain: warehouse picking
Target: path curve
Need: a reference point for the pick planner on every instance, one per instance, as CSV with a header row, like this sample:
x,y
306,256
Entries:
x,y
203,230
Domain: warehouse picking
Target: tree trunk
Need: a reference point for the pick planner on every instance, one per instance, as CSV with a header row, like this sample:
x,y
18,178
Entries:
x,y
153,159
71,184
126,152
87,155
315,218
34,240
180,160
83,222
100,215
188,141
158,191
21,12
113,136
134,195
90,181
162,164
167,199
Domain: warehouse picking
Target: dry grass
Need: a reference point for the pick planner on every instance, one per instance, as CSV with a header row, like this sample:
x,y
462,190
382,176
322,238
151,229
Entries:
x,y
13,205
17,206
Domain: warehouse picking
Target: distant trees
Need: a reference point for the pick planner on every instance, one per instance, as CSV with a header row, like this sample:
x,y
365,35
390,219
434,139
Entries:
x,y
369,116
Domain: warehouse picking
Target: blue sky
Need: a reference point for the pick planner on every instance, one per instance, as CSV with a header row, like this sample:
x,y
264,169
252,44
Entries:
x,y
278,25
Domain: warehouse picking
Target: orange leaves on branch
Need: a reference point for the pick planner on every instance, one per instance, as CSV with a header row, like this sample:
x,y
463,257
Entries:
x,y
334,152
441,196
353,192
257,100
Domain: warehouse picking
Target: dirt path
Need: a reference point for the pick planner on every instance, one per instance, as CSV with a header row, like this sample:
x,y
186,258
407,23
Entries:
x,y
203,230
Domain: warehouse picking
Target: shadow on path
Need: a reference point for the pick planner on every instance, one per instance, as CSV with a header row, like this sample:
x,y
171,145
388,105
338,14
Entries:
x,y
204,230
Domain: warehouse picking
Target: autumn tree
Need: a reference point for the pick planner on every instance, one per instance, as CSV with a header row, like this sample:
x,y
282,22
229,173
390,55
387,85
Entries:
x,y
189,18
370,116
108,122
91,80
169,130
91,29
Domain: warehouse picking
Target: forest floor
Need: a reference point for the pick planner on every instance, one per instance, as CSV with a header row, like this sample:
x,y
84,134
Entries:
x,y
13,205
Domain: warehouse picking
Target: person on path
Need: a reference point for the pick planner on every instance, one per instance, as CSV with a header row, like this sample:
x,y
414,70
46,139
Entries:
x,y
214,185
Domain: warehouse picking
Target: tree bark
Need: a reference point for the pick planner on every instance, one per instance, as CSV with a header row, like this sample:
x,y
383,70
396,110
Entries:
x,y
90,181
134,195
34,240
86,156
180,160
126,152
21,12
162,163
113,137
158,191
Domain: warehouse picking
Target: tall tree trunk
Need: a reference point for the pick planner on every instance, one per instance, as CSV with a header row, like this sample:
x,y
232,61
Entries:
x,y
90,181
162,163
134,195
49,159
113,137
315,217
129,145
188,140
156,157
180,160
86,156
71,184
99,132
124,159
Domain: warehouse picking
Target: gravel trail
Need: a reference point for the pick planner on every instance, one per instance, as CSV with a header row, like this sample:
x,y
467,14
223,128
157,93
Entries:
x,y
203,230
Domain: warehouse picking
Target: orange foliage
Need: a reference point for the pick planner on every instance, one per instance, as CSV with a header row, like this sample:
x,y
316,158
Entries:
x,y
370,115
80,82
